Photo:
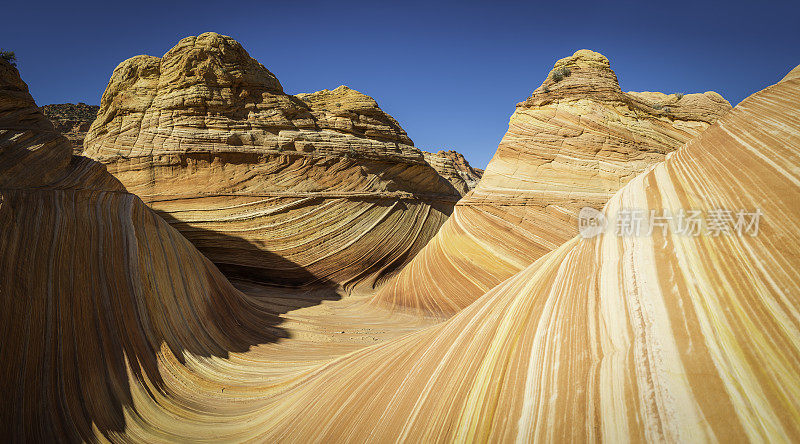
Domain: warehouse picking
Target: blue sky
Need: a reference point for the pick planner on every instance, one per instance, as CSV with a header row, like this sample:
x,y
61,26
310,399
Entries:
x,y
450,72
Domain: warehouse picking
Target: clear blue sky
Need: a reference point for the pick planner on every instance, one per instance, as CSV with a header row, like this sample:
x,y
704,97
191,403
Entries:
x,y
450,72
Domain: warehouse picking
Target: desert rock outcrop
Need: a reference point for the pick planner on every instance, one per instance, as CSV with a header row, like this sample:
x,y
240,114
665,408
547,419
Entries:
x,y
294,190
454,167
572,144
672,337
72,120
115,328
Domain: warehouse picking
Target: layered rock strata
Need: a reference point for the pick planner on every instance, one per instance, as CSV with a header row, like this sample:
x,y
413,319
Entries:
x,y
667,337
315,189
116,329
96,289
572,144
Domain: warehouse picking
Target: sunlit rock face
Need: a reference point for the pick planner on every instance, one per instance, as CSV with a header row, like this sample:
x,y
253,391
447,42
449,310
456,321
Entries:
x,y
662,338
454,167
95,287
321,188
572,144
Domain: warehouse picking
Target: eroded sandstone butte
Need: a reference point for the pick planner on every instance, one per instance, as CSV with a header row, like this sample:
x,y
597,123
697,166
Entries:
x,y
95,287
572,144
294,190
72,120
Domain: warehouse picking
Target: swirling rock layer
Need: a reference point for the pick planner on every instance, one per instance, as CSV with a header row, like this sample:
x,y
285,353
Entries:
x,y
115,328
96,289
314,189
644,338
572,144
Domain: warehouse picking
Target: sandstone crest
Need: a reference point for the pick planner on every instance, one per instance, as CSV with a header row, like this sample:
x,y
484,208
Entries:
x,y
572,144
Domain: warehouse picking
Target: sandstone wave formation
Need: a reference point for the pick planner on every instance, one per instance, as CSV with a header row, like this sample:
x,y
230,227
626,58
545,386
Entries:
x,y
663,338
96,288
117,329
72,120
314,189
572,144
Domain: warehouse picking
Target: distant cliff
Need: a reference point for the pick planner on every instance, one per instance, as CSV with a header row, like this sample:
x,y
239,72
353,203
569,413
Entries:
x,y
72,120
454,167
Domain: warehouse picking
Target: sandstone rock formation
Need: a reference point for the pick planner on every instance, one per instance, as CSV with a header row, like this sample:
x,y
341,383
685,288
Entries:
x,y
669,337
347,110
116,329
573,143
454,167
307,190
96,289
72,120
673,337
